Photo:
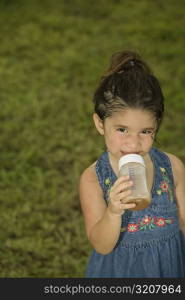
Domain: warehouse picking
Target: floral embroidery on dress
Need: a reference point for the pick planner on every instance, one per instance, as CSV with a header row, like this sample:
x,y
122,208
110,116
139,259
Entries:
x,y
107,181
165,185
147,223
108,184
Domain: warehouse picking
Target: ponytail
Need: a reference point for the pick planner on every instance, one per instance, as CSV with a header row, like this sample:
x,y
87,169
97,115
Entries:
x,y
124,61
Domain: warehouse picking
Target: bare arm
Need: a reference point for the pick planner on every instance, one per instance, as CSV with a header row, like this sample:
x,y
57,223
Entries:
x,y
179,177
102,222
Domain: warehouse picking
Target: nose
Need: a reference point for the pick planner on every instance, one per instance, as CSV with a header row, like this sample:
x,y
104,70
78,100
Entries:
x,y
132,143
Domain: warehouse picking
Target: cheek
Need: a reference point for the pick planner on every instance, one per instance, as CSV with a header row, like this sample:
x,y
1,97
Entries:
x,y
115,136
148,143
114,139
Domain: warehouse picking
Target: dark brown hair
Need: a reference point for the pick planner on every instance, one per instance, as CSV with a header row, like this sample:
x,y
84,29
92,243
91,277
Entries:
x,y
128,83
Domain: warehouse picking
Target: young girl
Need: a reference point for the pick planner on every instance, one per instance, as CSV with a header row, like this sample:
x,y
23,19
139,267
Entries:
x,y
133,243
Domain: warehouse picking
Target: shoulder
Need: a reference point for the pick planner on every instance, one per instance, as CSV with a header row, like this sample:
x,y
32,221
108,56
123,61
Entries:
x,y
179,177
177,167
89,174
88,184
176,162
95,172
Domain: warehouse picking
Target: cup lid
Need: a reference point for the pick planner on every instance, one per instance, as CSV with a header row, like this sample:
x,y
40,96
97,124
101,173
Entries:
x,y
131,158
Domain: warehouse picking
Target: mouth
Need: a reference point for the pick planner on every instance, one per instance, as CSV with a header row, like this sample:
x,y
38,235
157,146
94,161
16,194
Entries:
x,y
126,153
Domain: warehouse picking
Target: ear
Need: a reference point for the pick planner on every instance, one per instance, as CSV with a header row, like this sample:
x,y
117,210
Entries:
x,y
98,123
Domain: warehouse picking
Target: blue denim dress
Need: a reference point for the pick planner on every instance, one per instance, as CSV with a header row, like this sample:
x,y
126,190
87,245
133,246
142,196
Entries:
x,y
151,243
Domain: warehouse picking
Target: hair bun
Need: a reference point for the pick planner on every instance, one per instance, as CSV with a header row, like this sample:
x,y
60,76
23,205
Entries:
x,y
125,60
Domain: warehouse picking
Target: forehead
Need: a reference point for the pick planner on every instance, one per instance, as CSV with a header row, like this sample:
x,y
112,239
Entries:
x,y
133,118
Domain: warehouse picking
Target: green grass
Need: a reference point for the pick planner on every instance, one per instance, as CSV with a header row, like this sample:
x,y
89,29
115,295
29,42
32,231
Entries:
x,y
52,54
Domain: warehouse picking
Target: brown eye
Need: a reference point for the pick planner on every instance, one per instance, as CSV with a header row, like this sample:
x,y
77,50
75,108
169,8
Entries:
x,y
122,130
147,132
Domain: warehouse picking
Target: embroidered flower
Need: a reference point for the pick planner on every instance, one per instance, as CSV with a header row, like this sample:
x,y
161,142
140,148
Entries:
x,y
147,223
132,227
108,184
160,222
146,220
165,185
107,181
163,170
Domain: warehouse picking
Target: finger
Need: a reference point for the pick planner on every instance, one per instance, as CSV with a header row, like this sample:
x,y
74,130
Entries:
x,y
123,186
121,179
125,206
120,191
122,197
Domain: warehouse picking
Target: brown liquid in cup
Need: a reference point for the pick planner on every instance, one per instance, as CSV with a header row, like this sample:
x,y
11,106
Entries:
x,y
141,203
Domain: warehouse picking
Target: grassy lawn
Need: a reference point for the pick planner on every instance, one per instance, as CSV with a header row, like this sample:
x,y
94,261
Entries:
x,y
52,54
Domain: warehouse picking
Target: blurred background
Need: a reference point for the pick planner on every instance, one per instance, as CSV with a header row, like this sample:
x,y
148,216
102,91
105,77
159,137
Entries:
x,y
52,54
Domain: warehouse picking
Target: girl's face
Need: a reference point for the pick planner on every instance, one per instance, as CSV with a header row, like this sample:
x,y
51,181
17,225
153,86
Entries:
x,y
127,131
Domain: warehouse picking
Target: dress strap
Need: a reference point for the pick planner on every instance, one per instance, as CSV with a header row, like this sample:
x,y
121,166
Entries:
x,y
164,180
105,174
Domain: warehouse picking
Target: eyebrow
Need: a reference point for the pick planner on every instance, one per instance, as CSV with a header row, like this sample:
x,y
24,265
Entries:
x,y
124,126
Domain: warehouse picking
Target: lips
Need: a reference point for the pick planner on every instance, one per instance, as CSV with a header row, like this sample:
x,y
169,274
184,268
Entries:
x,y
125,153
